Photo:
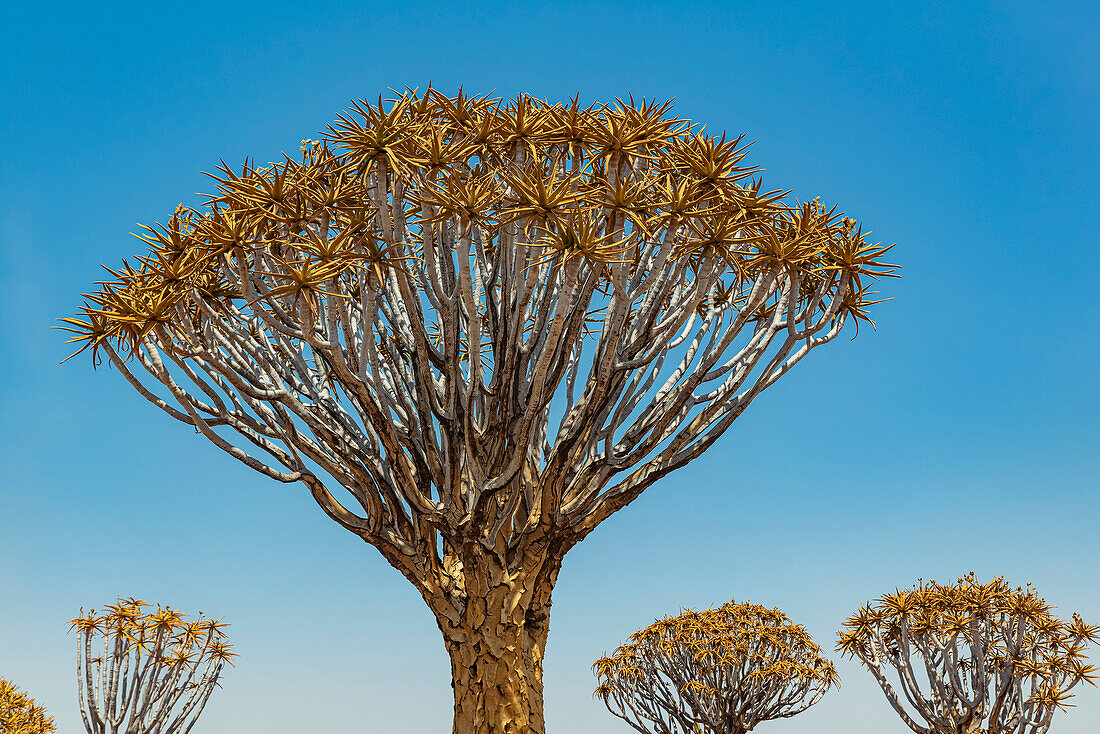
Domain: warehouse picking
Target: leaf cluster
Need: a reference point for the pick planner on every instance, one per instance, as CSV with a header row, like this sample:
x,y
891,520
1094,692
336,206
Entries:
x,y
149,661
161,636
724,669
972,634
578,187
19,714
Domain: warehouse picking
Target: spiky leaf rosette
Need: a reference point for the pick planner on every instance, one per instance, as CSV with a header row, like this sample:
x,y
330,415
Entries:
x,y
148,663
400,305
19,714
719,671
990,657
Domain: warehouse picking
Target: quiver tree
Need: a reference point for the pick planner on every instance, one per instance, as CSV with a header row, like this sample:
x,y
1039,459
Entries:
x,y
490,326
19,714
719,671
147,664
971,658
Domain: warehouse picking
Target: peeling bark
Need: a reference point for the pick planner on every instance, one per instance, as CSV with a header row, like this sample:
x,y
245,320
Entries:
x,y
496,638
496,674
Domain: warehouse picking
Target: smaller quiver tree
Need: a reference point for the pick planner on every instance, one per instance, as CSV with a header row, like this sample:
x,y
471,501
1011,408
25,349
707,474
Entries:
x,y
19,714
719,671
149,662
991,659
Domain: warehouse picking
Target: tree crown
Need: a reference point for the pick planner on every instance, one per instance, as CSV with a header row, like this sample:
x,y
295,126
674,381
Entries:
x,y
729,669
149,662
549,170
162,635
1009,632
405,304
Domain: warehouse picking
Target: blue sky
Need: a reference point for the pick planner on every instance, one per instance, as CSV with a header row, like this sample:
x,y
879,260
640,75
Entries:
x,y
960,436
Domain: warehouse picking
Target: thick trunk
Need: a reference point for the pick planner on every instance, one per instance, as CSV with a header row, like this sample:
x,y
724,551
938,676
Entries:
x,y
496,673
496,637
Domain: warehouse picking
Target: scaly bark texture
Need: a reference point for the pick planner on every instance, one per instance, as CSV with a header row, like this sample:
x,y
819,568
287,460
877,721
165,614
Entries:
x,y
496,652
487,327
497,678
495,621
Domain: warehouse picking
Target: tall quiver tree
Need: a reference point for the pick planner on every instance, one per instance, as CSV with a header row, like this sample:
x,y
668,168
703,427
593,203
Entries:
x,y
492,325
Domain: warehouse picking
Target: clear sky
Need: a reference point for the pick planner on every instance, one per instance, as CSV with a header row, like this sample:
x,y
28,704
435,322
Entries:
x,y
962,435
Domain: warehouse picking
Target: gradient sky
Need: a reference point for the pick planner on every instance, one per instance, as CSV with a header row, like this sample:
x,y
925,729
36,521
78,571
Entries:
x,y
962,435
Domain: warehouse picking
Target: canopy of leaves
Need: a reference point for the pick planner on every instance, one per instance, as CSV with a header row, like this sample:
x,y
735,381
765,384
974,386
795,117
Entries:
x,y
991,652
724,669
405,305
580,185
19,714
162,635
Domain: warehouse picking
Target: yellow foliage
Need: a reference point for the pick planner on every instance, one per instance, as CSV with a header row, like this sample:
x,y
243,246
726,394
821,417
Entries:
x,y
19,714
581,186
163,633
1012,630
741,658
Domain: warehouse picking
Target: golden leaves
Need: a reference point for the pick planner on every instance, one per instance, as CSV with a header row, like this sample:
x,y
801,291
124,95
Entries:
x,y
536,195
849,252
377,134
469,197
1012,626
592,182
630,197
94,330
625,132
304,278
711,162
163,633
19,714
522,123
719,237
711,650
578,237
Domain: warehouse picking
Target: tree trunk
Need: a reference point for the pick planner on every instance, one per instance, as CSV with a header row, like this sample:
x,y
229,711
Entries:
x,y
496,640
496,673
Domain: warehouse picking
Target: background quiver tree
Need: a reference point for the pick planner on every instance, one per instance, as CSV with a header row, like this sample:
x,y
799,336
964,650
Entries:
x,y
147,664
991,659
19,714
719,671
475,330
